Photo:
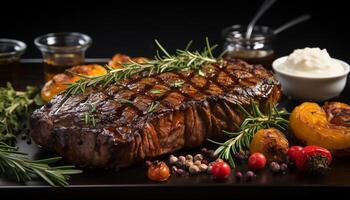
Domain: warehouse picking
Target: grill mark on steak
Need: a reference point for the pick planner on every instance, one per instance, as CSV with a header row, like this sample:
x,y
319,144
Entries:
x,y
201,108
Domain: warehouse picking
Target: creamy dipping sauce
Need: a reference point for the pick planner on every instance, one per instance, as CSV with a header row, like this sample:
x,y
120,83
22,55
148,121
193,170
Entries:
x,y
311,62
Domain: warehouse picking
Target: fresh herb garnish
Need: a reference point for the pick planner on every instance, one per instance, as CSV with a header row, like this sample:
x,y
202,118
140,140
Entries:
x,y
255,120
201,73
24,168
154,91
125,101
177,83
15,110
89,116
153,106
182,60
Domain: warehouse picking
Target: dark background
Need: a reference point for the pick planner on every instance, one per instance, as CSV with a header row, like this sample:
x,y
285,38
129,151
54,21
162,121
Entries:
x,y
130,27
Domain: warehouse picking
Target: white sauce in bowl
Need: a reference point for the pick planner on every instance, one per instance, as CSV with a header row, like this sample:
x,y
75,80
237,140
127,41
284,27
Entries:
x,y
311,62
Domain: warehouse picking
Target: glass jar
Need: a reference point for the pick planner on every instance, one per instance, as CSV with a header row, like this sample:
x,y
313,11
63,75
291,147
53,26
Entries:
x,y
62,50
10,55
255,50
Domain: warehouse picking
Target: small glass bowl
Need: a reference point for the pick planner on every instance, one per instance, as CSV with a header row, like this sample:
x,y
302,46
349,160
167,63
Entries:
x,y
62,50
11,50
63,42
255,50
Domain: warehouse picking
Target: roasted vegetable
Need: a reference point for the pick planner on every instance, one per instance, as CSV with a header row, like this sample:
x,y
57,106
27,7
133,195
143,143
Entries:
x,y
313,126
158,171
60,81
313,159
270,142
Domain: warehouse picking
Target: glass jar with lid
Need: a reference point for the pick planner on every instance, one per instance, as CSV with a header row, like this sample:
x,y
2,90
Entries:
x,y
255,50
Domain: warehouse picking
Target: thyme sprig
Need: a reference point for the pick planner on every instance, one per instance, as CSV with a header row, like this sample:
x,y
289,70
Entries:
x,y
182,60
15,109
254,120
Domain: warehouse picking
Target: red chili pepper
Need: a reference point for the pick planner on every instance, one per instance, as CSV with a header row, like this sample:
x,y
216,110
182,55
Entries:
x,y
313,159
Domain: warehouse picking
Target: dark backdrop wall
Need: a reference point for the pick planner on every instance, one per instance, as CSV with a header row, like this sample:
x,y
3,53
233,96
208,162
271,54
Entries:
x,y
130,27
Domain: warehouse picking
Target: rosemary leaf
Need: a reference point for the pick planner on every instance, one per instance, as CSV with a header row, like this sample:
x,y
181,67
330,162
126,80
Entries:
x,y
163,62
254,120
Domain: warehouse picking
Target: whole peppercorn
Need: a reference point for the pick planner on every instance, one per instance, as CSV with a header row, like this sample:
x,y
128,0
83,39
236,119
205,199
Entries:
x,y
181,161
188,163
148,163
173,159
181,172
193,169
211,155
250,175
198,157
197,162
284,168
205,162
203,167
189,157
174,169
239,175
275,167
204,150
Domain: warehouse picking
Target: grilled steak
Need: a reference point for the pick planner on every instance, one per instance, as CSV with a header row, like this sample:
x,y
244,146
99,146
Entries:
x,y
144,117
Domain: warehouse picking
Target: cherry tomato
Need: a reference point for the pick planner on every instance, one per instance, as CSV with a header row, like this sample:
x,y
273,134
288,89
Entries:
x,y
293,151
256,161
158,171
313,159
220,169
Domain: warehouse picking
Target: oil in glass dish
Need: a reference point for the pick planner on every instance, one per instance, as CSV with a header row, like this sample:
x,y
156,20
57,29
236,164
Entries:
x,y
61,51
10,55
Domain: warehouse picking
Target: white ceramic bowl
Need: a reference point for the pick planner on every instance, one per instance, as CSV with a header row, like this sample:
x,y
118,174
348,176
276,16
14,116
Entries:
x,y
310,88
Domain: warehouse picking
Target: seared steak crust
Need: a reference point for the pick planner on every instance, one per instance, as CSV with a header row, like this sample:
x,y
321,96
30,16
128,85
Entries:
x,y
127,130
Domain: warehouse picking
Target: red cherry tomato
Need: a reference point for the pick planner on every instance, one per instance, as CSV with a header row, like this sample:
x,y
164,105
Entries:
x,y
220,169
313,159
293,151
257,161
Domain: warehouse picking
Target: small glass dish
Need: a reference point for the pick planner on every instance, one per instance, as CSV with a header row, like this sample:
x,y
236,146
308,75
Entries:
x,y
62,50
10,55
11,50
255,50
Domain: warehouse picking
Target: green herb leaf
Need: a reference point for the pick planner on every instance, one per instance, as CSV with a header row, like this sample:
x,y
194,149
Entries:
x,y
182,60
153,106
24,169
154,91
254,120
177,84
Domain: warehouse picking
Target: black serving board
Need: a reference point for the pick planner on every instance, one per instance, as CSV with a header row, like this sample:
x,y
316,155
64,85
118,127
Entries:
x,y
133,181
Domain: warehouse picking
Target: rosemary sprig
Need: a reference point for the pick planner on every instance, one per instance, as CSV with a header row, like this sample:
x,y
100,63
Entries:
x,y
163,62
154,91
152,107
125,101
255,120
15,109
11,160
177,83
89,117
